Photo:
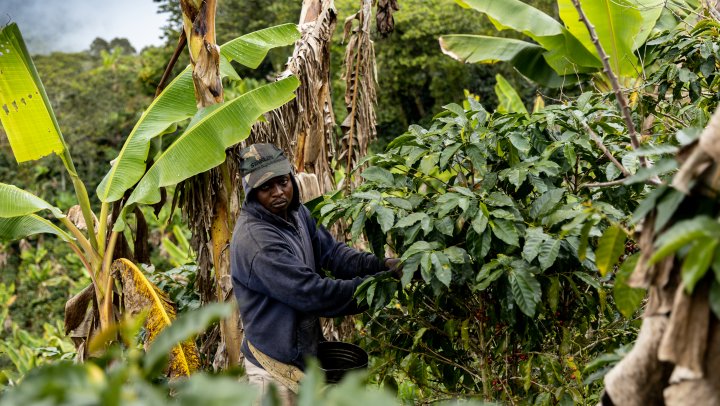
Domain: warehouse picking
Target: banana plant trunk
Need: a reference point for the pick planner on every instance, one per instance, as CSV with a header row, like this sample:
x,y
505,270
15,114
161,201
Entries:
x,y
209,194
221,233
199,26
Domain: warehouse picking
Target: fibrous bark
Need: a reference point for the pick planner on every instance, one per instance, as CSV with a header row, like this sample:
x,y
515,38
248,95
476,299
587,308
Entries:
x,y
303,128
360,96
199,26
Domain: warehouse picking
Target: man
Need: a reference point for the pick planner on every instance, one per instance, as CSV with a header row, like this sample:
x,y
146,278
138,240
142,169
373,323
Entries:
x,y
278,257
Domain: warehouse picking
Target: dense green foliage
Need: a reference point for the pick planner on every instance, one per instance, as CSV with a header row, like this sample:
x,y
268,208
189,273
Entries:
x,y
502,233
682,96
492,218
99,94
126,375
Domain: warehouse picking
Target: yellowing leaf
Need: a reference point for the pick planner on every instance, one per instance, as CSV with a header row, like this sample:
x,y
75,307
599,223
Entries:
x,y
25,111
610,247
139,295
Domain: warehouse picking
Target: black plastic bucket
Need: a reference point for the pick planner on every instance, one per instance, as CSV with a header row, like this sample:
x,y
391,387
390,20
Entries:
x,y
337,358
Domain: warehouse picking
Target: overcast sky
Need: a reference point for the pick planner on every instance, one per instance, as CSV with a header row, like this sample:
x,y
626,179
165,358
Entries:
x,y
71,25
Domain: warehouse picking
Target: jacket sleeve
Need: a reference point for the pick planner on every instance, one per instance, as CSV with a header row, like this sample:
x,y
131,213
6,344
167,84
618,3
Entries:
x,y
276,272
342,261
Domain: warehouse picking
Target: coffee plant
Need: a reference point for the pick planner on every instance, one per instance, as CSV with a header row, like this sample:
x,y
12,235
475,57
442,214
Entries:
x,y
495,217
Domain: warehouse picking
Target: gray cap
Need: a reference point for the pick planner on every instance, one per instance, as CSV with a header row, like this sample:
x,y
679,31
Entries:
x,y
260,163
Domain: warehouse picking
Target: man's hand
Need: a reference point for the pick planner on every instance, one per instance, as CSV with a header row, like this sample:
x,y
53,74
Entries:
x,y
395,266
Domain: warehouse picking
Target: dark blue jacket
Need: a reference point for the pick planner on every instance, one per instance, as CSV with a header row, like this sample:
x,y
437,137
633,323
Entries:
x,y
281,289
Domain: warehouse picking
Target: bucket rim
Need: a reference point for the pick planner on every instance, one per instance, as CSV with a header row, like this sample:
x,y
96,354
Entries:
x,y
356,350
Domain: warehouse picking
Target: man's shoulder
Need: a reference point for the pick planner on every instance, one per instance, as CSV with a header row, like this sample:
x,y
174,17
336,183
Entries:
x,y
303,211
305,215
252,231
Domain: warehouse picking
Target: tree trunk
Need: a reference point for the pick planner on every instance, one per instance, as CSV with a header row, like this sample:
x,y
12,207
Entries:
x,y
209,195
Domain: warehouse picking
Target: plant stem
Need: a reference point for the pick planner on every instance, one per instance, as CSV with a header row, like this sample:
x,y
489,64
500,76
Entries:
x,y
107,258
605,151
81,194
87,265
168,69
106,308
104,293
621,99
484,364
615,182
604,184
102,226
84,243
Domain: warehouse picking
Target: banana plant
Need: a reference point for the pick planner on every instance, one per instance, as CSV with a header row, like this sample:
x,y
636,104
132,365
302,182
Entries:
x,y
33,131
562,51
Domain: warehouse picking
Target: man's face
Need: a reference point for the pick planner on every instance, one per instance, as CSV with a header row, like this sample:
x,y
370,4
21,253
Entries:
x,y
276,194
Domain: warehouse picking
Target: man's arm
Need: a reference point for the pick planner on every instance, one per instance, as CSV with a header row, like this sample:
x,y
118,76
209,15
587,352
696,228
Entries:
x,y
276,272
343,261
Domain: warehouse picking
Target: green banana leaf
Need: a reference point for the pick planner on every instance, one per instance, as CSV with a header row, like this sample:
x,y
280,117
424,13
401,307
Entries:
x,y
202,145
527,58
15,202
617,23
25,111
566,55
14,228
509,100
650,10
177,103
518,16
251,49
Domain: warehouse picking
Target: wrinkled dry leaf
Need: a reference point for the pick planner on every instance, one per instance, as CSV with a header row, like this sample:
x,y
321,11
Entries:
x,y
384,18
77,307
309,186
141,295
303,128
360,96
75,216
